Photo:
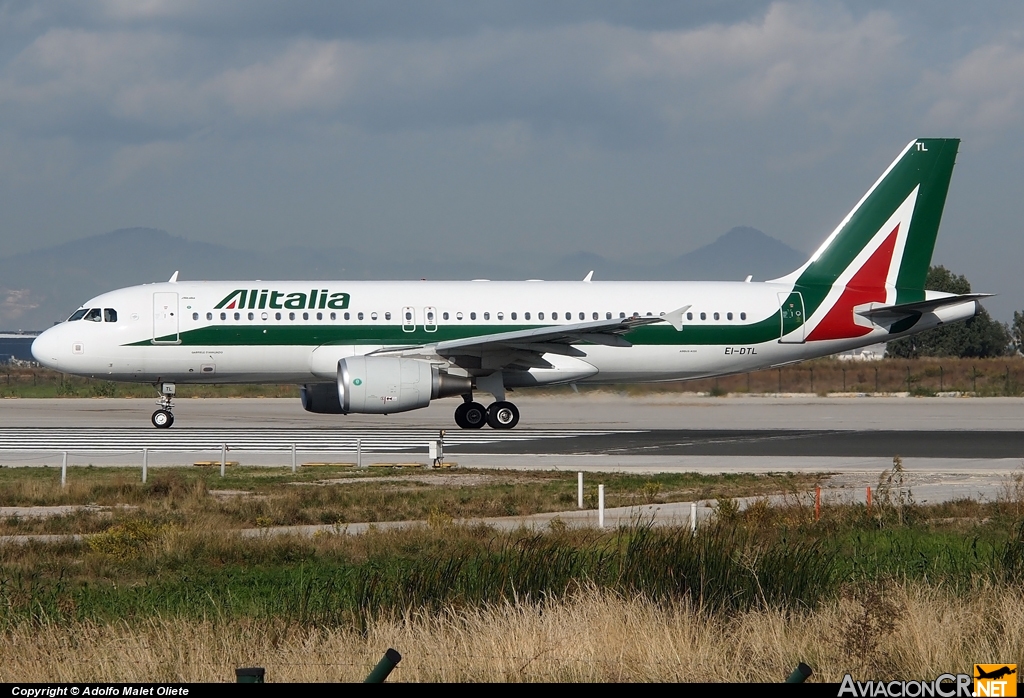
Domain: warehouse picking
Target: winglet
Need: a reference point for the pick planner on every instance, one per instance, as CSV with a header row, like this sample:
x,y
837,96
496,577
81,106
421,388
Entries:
x,y
675,318
588,277
173,279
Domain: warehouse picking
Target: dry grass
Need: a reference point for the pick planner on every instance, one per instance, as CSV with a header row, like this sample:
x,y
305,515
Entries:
x,y
593,636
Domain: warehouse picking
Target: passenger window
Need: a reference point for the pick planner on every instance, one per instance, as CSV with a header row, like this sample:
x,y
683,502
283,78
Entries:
x,y
359,316
513,316
703,316
595,316
305,316
743,316
582,316
458,316
472,316
716,316
291,316
608,315
195,316
319,316
728,316
501,316
209,316
373,316
347,316
554,316
78,315
223,316
94,314
408,316
487,316
264,316
689,316
277,316
251,316
444,315
334,316
526,316
238,316
540,316
387,316
110,315
622,315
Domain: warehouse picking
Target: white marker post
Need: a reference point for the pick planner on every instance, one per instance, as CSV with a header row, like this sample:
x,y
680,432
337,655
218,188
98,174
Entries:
x,y
693,517
293,458
64,470
223,458
579,490
600,506
359,453
145,464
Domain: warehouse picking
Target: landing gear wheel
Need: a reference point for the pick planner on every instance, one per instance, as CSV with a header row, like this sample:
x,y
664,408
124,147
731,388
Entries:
x,y
470,415
502,415
162,419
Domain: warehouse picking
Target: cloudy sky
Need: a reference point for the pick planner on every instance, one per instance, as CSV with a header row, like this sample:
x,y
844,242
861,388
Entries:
x,y
482,129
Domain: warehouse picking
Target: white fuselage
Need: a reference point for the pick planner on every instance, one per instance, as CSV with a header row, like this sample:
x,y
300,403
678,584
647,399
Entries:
x,y
296,332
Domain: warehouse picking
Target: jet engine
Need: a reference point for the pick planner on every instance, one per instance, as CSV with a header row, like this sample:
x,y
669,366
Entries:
x,y
382,385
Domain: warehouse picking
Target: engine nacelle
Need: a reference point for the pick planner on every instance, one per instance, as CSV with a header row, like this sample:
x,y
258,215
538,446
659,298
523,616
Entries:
x,y
384,384
321,398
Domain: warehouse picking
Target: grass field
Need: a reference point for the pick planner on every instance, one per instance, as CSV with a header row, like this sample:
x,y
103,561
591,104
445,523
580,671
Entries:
x,y
919,377
167,590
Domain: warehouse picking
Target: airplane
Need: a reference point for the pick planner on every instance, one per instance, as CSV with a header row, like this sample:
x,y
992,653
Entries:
x,y
382,347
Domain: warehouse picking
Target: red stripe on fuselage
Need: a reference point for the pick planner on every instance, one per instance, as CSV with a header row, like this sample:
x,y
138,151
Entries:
x,y
866,286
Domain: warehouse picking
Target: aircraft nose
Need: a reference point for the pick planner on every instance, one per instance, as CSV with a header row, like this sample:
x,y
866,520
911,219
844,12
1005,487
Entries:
x,y
44,349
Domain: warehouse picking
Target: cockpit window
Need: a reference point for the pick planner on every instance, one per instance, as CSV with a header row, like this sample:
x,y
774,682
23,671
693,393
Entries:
x,y
95,314
79,314
109,315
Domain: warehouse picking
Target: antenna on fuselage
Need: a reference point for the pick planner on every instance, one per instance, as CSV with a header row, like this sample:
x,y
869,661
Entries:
x,y
173,279
588,277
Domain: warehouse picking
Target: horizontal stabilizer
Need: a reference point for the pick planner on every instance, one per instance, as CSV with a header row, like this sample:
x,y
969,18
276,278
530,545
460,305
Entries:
x,y
888,314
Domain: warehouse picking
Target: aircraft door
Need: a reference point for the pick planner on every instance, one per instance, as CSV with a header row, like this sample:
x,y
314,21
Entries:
x,y
165,318
430,319
791,306
408,319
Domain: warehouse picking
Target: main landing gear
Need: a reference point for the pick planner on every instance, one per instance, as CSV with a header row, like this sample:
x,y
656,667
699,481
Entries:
x,y
162,418
473,415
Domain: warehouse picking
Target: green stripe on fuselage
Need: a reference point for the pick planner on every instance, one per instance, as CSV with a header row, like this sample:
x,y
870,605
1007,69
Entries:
x,y
391,335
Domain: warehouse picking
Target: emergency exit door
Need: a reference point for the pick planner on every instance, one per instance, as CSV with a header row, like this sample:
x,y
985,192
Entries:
x,y
791,306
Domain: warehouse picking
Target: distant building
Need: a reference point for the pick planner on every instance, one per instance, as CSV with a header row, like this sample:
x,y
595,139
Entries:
x,y
16,346
875,352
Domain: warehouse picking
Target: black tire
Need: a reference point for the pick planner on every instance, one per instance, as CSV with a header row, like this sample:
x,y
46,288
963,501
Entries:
x,y
470,415
502,415
162,419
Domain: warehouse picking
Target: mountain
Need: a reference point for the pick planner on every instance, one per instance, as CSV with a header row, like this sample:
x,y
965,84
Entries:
x,y
44,286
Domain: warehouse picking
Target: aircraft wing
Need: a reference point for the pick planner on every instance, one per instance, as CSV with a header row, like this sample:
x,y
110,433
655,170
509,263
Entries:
x,y
888,314
542,340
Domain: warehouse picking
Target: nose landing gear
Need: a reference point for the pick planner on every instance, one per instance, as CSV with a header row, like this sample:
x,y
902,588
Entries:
x,y
162,418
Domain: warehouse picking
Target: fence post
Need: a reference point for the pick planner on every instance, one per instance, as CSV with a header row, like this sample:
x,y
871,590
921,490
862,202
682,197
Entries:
x,y
817,503
693,518
844,380
223,458
579,489
600,506
869,499
293,458
64,470
359,453
908,379
974,379
384,667
145,464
